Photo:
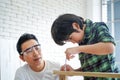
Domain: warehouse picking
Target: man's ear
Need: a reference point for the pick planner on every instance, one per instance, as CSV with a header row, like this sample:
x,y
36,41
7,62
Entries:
x,y
22,58
75,26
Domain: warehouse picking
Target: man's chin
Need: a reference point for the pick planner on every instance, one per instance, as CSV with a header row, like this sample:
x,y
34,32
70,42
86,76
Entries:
x,y
38,62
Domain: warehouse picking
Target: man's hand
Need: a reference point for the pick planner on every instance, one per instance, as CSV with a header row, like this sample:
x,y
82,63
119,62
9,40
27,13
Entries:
x,y
68,68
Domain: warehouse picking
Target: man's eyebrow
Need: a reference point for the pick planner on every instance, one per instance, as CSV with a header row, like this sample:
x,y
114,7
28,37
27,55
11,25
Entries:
x,y
32,47
28,48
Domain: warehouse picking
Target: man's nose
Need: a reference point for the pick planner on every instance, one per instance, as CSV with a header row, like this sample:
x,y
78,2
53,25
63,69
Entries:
x,y
35,52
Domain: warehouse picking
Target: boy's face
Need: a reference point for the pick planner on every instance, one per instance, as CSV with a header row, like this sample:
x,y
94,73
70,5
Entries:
x,y
76,37
32,53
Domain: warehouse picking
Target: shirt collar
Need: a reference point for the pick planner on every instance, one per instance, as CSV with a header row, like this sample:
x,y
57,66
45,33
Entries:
x,y
87,31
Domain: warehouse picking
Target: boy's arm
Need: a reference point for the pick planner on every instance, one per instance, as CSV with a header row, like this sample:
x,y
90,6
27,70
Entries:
x,y
100,48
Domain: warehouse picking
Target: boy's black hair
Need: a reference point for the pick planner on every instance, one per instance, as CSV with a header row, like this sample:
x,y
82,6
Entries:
x,y
23,38
62,27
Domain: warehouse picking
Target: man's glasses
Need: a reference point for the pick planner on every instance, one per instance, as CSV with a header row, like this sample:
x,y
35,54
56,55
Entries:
x,y
30,49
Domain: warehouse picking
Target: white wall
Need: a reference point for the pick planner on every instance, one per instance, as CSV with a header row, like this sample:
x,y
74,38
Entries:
x,y
35,16
93,11
9,59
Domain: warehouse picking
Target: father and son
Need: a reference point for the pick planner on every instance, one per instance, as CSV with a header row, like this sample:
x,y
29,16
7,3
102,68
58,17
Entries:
x,y
95,49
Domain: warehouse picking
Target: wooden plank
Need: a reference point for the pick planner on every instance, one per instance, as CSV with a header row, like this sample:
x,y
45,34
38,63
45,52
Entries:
x,y
62,77
93,74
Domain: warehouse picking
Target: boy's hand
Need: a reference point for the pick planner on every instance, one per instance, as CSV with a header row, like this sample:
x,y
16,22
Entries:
x,y
70,52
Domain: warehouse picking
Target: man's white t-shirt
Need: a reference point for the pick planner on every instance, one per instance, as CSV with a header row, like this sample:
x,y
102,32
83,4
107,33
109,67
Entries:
x,y
26,73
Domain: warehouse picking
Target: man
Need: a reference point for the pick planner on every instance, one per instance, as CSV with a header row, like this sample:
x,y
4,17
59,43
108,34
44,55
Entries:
x,y
96,45
36,68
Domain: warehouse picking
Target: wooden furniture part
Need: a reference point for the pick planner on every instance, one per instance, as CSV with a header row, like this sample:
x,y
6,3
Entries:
x,y
63,74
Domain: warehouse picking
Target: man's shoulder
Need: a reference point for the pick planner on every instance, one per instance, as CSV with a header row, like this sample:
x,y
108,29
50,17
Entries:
x,y
23,67
53,63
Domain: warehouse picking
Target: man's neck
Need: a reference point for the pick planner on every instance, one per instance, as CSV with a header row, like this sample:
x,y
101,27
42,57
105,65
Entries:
x,y
39,67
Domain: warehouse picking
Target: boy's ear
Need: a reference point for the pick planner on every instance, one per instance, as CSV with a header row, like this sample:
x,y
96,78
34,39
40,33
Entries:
x,y
22,58
75,26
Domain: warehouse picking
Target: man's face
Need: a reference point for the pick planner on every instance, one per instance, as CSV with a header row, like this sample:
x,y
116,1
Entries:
x,y
32,53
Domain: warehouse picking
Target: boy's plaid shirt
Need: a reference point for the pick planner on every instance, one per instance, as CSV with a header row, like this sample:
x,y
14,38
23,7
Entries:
x,y
94,33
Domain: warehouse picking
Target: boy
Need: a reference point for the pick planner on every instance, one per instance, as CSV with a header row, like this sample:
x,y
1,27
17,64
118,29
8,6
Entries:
x,y
96,45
